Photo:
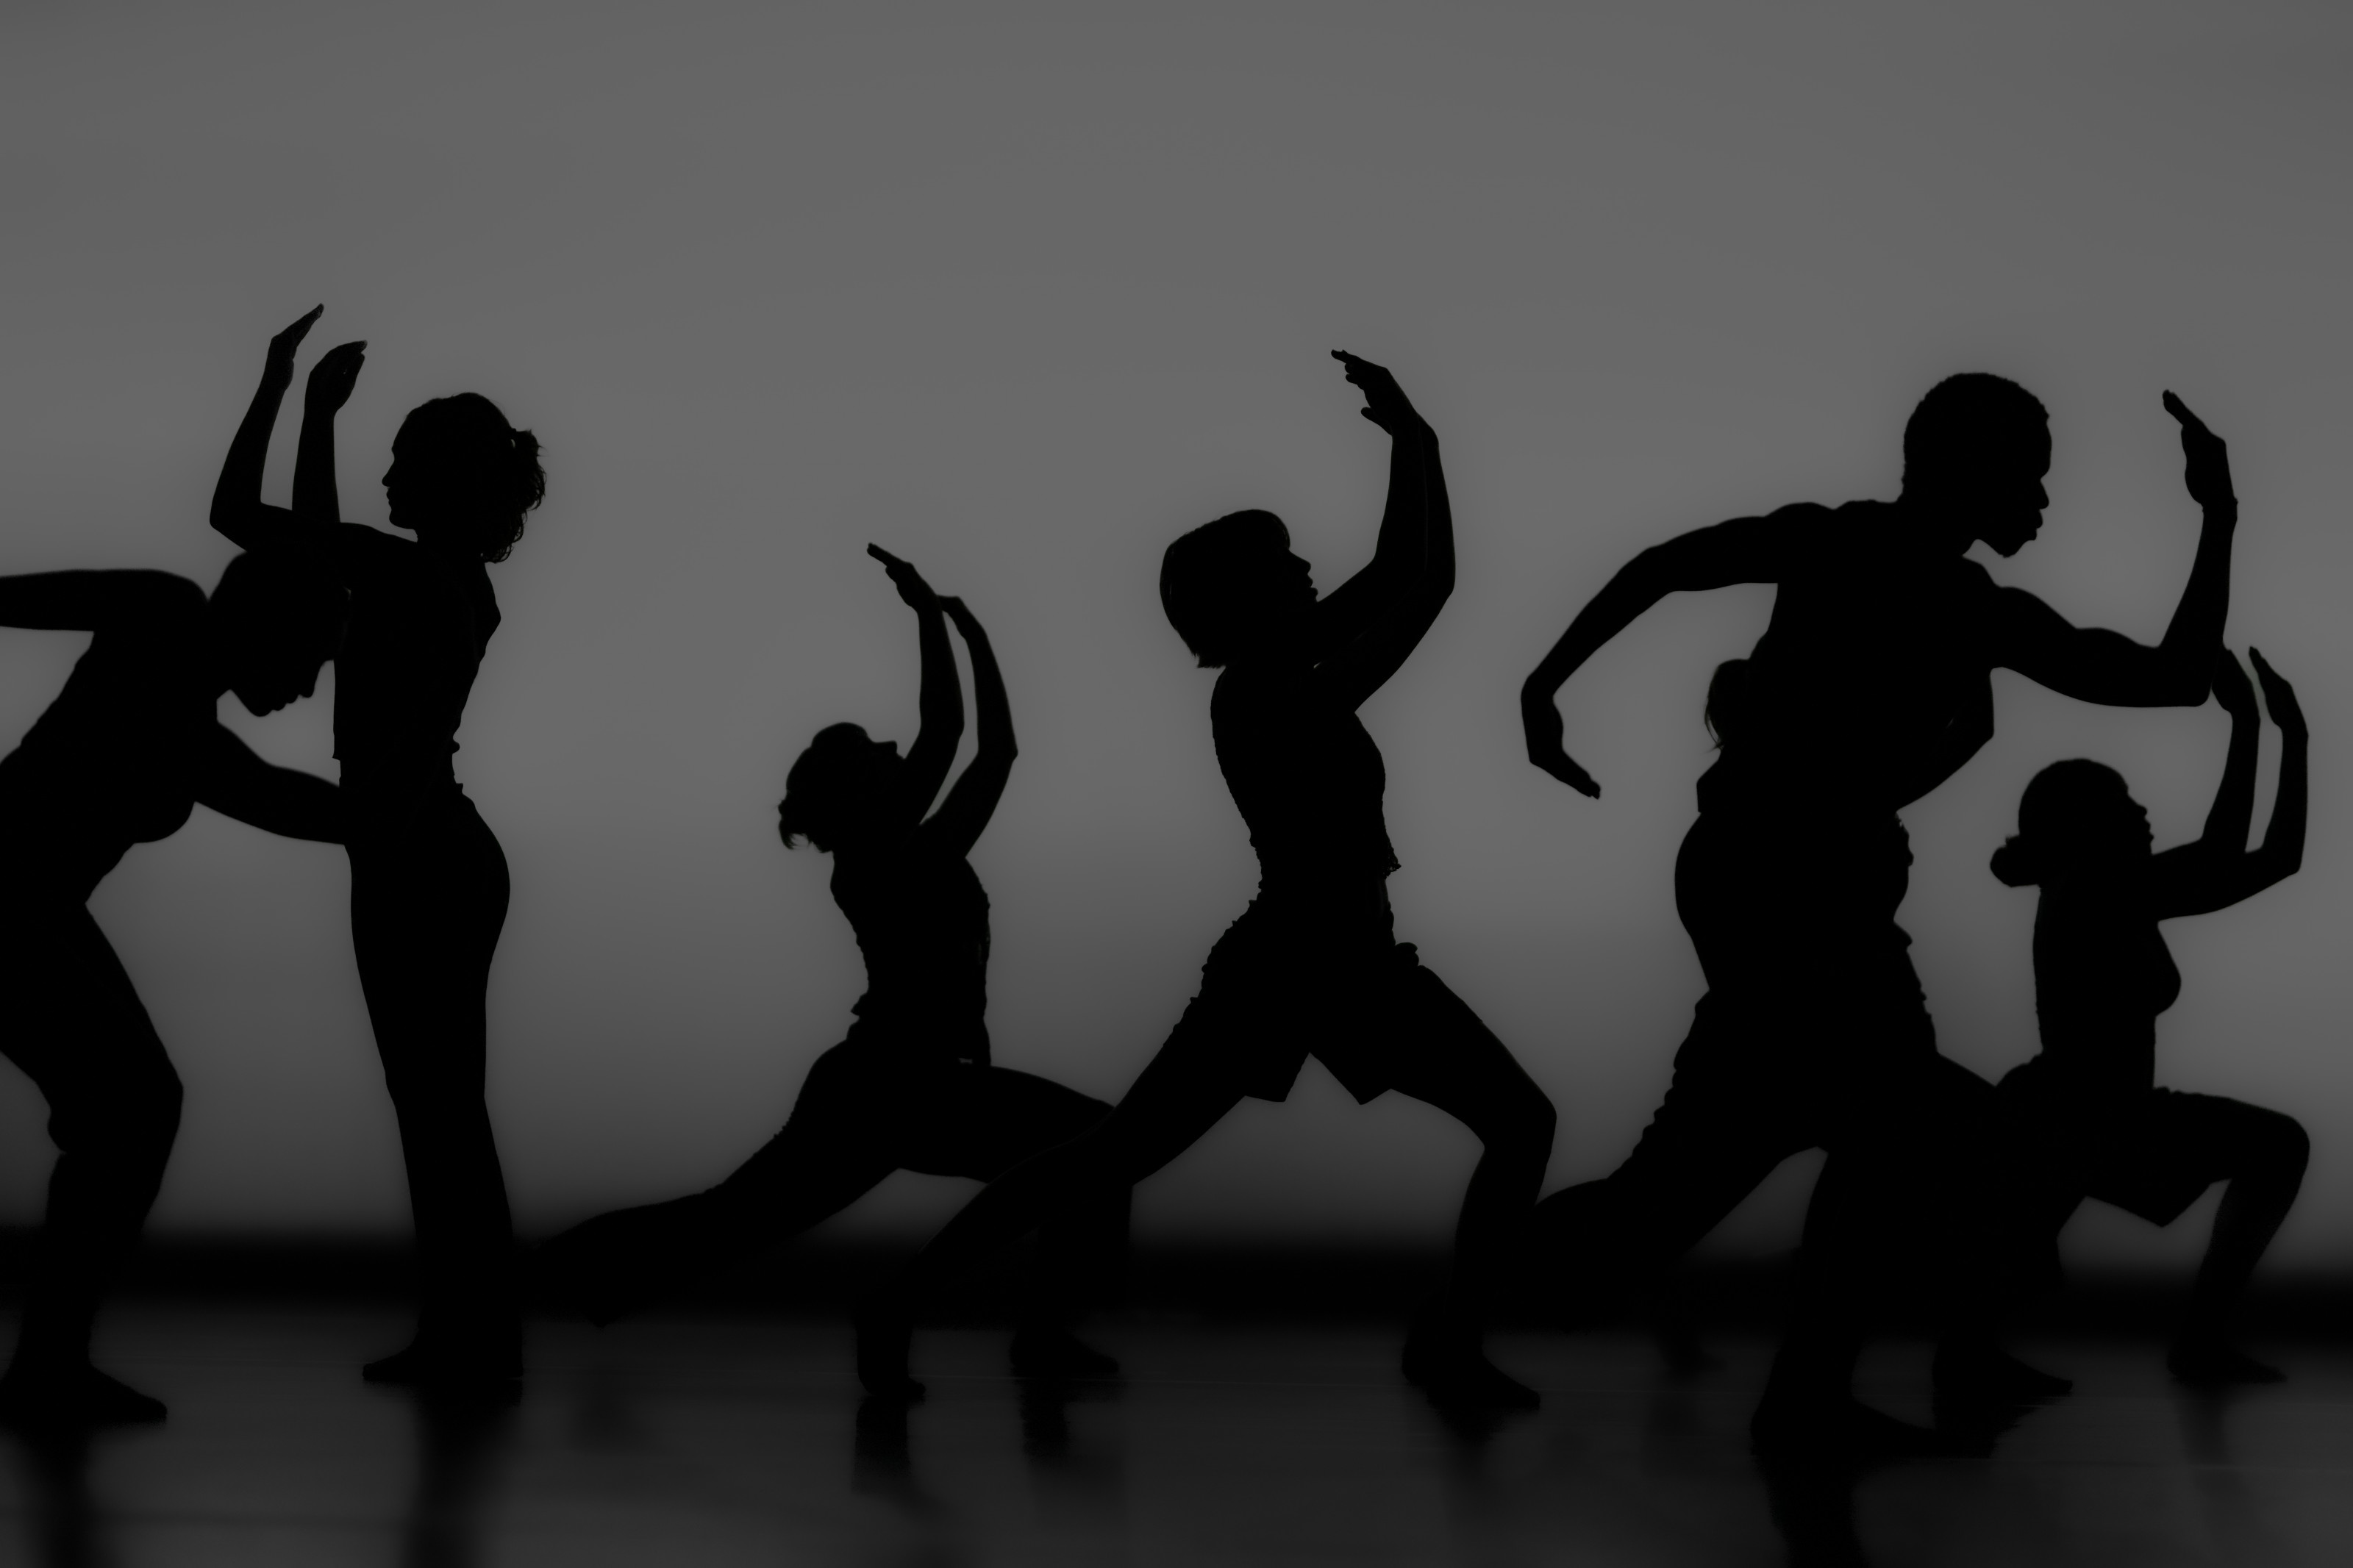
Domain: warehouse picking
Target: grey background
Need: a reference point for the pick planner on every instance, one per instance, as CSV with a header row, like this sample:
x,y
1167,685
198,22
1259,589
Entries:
x,y
1022,291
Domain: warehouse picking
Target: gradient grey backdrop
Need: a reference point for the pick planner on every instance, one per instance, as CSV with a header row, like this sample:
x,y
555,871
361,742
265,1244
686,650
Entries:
x,y
1021,295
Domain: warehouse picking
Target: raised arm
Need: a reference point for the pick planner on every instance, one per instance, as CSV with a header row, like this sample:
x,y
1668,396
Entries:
x,y
939,704
1745,550
2217,869
962,817
2105,667
324,397
285,800
238,509
1366,628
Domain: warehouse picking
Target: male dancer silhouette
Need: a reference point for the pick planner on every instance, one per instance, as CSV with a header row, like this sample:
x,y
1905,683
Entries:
x,y
913,1088
1869,687
2102,975
428,880
128,746
1312,966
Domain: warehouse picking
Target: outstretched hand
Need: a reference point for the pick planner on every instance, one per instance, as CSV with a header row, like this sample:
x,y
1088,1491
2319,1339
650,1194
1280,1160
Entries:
x,y
2206,459
1385,404
2280,697
1546,735
2232,691
278,367
332,378
913,589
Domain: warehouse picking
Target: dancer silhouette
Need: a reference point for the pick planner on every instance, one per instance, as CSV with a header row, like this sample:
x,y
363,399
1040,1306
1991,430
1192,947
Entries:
x,y
2102,975
428,880
1312,967
913,1088
120,758
1868,689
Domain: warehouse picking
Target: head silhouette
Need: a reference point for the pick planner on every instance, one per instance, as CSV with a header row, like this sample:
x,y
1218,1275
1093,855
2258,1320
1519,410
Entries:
x,y
838,791
272,624
2076,817
1975,452
1232,587
462,475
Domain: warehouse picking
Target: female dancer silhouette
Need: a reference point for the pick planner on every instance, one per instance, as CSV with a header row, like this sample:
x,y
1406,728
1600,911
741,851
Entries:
x,y
2102,975
1312,967
1868,689
131,742
913,1088
428,880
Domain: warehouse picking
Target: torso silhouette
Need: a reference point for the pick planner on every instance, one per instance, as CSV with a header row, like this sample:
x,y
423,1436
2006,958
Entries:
x,y
1307,779
421,619
112,762
2102,975
1873,648
922,922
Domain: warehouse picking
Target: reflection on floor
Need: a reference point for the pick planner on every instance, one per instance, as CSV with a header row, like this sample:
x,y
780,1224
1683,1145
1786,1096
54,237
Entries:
x,y
682,1442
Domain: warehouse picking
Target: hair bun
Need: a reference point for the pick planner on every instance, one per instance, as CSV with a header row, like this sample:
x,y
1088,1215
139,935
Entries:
x,y
2016,865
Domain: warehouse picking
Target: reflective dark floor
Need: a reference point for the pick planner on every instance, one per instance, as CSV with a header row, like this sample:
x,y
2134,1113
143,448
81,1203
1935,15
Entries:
x,y
725,1442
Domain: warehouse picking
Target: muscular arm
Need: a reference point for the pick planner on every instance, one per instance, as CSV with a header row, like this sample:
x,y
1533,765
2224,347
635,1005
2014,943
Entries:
x,y
1745,550
959,822
236,783
2095,666
98,601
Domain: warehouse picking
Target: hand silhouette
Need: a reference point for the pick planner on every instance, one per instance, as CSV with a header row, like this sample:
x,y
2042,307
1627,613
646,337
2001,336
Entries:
x,y
2280,697
909,583
2206,459
278,369
1384,402
2232,691
332,378
1542,722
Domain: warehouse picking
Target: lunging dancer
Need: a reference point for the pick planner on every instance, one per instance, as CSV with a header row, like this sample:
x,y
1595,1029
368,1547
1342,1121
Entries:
x,y
2102,975
1868,689
913,1088
1312,968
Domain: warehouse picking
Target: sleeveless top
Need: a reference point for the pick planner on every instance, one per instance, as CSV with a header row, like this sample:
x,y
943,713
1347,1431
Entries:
x,y
2102,975
1871,649
1308,781
922,922
420,621
110,763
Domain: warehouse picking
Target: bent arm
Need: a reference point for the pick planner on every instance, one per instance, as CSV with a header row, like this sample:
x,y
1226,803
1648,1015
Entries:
x,y
1745,550
236,783
965,815
2219,870
98,601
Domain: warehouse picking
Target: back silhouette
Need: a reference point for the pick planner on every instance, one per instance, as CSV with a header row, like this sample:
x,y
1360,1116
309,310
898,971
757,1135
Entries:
x,y
2102,975
913,1088
121,757
428,880
1312,966
1869,688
